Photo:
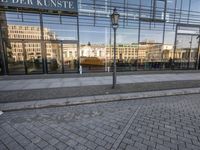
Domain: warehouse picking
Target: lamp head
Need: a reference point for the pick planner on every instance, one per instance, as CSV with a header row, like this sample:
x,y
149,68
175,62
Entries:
x,y
115,18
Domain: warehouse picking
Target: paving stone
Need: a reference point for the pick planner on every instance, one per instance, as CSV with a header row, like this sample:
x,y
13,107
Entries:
x,y
49,147
100,148
140,145
100,142
129,147
31,146
3,147
99,126
42,144
91,145
60,146
162,147
14,145
80,147
109,139
91,137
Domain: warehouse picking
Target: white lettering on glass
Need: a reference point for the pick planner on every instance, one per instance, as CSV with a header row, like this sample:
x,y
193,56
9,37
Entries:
x,y
71,5
15,1
44,4
53,3
4,1
30,2
39,3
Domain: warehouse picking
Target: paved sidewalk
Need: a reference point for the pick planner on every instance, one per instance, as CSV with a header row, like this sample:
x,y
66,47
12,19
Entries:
x,y
94,99
39,93
167,123
9,85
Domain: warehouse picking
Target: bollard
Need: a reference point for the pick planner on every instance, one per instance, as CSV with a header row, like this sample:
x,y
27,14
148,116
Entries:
x,y
108,69
80,70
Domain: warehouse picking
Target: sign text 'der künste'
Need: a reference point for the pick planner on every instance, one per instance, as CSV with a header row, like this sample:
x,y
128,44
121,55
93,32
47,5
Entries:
x,y
63,5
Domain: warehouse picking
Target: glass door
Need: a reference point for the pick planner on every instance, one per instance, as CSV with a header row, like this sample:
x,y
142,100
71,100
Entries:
x,y
33,57
186,47
54,57
70,57
15,58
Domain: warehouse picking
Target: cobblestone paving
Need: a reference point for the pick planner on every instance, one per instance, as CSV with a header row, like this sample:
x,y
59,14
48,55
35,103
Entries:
x,y
158,123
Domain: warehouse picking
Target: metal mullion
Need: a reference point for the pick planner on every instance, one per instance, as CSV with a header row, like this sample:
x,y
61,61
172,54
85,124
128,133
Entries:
x,y
43,45
2,51
138,36
165,10
175,42
24,57
181,10
174,13
198,53
62,59
78,43
189,11
94,3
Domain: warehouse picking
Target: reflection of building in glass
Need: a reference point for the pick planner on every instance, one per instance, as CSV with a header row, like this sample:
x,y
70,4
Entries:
x,y
93,50
32,49
150,35
124,52
3,33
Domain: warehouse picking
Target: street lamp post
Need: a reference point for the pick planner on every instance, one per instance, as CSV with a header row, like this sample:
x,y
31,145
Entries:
x,y
198,52
114,19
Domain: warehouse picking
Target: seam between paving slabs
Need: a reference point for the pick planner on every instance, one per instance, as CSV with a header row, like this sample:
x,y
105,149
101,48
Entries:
x,y
124,131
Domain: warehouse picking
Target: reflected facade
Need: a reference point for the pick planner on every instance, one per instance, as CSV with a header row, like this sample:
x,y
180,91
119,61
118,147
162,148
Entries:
x,y
152,35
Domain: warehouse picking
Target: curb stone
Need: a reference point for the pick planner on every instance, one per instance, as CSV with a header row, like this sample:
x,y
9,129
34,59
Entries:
x,y
94,99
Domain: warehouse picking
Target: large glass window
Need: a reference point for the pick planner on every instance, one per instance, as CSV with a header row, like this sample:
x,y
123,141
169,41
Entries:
x,y
21,56
59,27
25,49
126,50
151,39
22,25
195,5
94,42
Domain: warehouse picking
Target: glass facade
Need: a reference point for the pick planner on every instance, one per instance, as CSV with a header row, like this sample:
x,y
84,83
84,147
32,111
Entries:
x,y
152,35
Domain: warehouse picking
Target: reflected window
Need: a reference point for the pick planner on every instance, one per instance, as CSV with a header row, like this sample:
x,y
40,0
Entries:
x,y
59,27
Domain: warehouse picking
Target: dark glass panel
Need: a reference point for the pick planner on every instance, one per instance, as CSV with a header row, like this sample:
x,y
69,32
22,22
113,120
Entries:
x,y
59,27
33,57
70,57
15,57
54,57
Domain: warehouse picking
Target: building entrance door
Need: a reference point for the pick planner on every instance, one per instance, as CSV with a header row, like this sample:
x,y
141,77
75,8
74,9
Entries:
x,y
186,50
33,57
24,57
70,57
15,57
62,56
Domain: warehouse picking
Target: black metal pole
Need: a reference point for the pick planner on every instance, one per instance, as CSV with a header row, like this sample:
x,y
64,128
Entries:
x,y
198,52
114,61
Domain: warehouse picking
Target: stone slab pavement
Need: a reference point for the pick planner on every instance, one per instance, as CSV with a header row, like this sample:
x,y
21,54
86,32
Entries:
x,y
94,99
12,85
164,123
